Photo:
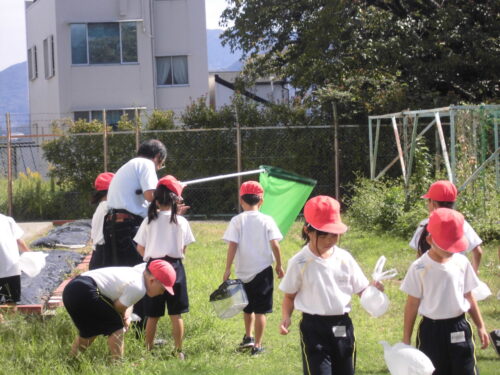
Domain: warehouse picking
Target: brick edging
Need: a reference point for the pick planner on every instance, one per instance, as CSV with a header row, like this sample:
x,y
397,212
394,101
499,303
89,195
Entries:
x,y
55,299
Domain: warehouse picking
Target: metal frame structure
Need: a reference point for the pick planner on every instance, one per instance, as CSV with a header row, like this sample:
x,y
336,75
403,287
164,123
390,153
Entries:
x,y
406,147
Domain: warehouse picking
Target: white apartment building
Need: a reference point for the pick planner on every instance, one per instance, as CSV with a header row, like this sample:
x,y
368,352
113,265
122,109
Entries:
x,y
117,55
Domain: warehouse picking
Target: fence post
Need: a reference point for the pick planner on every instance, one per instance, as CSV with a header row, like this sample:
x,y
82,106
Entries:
x,y
238,155
105,140
137,130
9,164
336,149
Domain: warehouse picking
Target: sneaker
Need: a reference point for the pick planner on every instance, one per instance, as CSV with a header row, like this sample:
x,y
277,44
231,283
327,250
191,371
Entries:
x,y
256,350
179,354
159,342
495,340
247,342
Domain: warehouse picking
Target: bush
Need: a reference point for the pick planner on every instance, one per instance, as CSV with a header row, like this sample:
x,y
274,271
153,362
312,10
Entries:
x,y
37,199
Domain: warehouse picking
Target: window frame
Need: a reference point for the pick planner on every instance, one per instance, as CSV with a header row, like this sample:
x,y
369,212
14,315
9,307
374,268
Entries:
x,y
120,42
32,63
48,57
171,64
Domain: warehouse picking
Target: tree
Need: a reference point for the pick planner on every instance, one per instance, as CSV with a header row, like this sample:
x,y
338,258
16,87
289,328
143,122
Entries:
x,y
385,53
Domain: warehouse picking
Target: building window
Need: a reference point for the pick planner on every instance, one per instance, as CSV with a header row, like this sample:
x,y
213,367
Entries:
x,y
172,70
112,116
104,43
48,57
32,63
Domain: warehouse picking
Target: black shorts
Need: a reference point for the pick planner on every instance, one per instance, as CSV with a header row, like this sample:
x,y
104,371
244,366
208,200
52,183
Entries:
x,y
449,345
260,292
92,313
327,342
10,289
176,304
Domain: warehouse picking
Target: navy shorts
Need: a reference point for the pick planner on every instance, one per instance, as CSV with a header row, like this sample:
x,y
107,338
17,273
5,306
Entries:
x,y
10,289
176,304
92,313
260,292
449,345
327,344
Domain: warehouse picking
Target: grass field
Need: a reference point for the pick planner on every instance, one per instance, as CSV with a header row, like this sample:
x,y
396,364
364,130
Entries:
x,y
34,345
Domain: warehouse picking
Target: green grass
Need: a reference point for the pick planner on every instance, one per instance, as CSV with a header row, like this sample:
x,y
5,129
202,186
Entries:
x,y
34,345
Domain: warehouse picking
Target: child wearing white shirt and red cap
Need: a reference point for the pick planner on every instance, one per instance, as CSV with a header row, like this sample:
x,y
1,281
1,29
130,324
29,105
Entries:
x,y
253,244
439,286
444,193
164,234
319,282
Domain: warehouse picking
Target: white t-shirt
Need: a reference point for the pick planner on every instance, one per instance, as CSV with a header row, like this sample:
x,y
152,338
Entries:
x,y
253,232
125,284
469,233
161,237
137,174
96,234
440,286
10,232
323,286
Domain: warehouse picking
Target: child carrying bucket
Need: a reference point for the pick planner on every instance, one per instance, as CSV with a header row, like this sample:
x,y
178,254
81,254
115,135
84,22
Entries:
x,y
11,244
320,281
253,244
164,234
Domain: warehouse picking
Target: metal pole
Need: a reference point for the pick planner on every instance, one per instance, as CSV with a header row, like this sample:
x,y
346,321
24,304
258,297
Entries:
x,y
443,146
336,150
238,155
453,141
370,145
137,129
497,163
105,140
221,177
412,150
9,164
375,151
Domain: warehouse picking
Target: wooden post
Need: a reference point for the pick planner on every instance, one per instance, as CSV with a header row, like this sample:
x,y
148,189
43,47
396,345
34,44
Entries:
x,y
336,150
137,129
9,164
105,140
443,146
398,144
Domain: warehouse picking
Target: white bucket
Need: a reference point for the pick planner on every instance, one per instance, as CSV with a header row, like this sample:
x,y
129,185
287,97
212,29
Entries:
x,y
482,291
402,359
374,301
32,262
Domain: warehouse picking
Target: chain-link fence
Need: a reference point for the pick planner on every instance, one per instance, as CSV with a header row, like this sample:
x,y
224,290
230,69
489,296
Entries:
x,y
76,159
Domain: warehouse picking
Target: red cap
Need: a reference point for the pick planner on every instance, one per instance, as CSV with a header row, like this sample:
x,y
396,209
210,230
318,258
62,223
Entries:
x,y
171,183
323,214
103,180
164,273
442,191
251,187
446,227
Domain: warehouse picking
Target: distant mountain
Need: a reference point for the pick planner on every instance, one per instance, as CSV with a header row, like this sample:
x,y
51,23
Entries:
x,y
220,57
14,94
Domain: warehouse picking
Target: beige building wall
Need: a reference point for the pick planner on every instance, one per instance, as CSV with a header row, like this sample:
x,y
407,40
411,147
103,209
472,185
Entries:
x,y
164,28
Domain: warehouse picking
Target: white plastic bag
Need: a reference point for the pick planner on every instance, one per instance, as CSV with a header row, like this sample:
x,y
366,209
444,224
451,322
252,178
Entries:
x,y
402,359
482,291
373,300
32,262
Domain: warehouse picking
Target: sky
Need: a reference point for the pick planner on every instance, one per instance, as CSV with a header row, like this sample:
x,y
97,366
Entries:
x,y
13,34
